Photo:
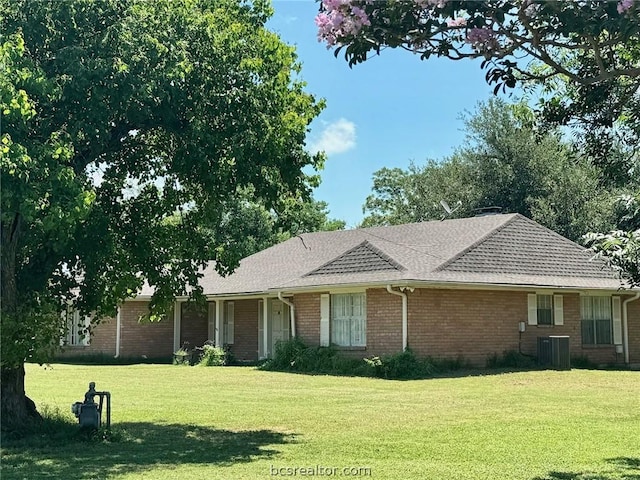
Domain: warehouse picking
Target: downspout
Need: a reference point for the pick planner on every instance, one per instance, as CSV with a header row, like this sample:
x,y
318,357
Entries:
x,y
404,315
118,328
625,326
292,313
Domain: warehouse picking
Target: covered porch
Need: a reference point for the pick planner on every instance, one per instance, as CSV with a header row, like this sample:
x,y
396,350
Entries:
x,y
249,327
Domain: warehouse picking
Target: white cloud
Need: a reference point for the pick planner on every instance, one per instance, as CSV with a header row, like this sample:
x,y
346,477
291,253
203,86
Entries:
x,y
337,137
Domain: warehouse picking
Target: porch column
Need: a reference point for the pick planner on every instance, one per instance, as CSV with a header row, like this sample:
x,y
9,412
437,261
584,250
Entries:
x,y
211,320
177,319
265,332
218,335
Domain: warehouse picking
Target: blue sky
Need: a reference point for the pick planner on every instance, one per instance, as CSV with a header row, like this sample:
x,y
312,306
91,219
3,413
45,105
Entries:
x,y
386,112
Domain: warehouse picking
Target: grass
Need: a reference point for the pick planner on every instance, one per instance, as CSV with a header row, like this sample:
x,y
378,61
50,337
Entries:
x,y
238,423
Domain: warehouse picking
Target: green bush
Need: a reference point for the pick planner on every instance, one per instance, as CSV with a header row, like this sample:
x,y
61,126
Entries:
x,y
287,356
295,356
583,361
510,359
182,357
213,356
450,364
401,366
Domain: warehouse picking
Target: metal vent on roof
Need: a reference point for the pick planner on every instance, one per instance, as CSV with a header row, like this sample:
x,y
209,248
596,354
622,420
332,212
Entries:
x,y
484,211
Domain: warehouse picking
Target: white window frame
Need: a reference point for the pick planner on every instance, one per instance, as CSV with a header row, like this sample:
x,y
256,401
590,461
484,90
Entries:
x,y
615,334
557,309
76,329
354,325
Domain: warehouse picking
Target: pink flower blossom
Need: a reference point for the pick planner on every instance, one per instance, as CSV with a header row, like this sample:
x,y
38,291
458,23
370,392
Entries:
x,y
479,35
457,22
624,5
431,3
531,8
339,19
482,38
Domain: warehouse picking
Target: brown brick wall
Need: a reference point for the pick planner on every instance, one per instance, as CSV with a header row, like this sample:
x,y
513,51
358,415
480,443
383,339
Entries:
x,y
384,322
476,324
308,317
470,324
443,323
151,340
447,323
633,309
194,326
245,345
103,341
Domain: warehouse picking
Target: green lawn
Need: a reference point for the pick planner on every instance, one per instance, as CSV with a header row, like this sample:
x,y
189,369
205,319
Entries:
x,y
241,423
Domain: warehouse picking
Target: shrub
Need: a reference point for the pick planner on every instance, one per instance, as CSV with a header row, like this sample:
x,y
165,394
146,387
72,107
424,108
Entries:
x,y
295,356
287,355
450,364
510,359
401,366
182,357
213,356
583,361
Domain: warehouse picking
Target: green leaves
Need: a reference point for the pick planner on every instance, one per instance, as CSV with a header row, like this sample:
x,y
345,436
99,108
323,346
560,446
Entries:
x,y
506,163
119,118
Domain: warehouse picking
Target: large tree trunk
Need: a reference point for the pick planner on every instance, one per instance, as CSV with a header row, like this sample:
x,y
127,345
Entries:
x,y
18,410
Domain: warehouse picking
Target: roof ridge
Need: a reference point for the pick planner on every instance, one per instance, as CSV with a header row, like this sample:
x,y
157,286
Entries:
x,y
478,242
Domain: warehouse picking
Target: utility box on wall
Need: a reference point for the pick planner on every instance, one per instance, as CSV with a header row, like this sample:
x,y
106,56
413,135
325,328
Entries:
x,y
554,352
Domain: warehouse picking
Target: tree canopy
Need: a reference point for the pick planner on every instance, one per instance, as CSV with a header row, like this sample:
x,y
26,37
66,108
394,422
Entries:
x,y
116,118
581,59
506,163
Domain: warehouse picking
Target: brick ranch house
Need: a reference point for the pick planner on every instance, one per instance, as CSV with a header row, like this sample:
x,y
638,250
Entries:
x,y
463,287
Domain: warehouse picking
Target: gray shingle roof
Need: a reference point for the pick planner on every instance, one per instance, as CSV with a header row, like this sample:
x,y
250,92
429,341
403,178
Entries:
x,y
362,258
494,249
524,247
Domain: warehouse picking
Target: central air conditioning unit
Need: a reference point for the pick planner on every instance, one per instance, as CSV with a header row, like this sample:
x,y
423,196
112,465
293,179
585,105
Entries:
x,y
554,352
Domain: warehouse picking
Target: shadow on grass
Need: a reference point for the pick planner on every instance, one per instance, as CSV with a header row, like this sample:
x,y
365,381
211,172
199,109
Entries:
x,y
143,447
620,468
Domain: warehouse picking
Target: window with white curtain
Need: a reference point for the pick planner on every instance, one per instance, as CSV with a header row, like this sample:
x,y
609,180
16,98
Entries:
x,y
77,329
349,319
596,314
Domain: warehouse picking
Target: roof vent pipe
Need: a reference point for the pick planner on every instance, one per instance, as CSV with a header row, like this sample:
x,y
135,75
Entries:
x,y
485,211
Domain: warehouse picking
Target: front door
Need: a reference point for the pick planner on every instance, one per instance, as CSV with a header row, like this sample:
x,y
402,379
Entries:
x,y
279,324
277,327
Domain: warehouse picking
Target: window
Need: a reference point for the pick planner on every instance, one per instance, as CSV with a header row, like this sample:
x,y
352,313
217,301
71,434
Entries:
x,y
596,314
546,309
76,328
349,319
